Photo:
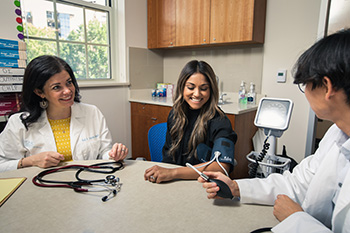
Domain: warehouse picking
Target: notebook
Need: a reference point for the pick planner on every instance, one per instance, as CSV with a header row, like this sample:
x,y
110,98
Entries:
x,y
8,186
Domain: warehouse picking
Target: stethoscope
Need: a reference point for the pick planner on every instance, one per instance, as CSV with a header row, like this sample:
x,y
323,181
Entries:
x,y
110,183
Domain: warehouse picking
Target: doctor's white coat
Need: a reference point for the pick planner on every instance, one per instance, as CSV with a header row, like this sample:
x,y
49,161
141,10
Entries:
x,y
313,184
89,135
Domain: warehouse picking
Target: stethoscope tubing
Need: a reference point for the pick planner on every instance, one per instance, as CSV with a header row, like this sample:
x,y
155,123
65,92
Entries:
x,y
76,185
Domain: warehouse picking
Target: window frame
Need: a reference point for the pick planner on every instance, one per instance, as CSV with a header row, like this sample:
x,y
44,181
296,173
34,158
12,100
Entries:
x,y
116,35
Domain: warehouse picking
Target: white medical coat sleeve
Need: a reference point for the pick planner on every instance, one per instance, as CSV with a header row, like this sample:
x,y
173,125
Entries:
x,y
106,138
10,144
295,185
7,165
300,222
312,184
90,136
264,191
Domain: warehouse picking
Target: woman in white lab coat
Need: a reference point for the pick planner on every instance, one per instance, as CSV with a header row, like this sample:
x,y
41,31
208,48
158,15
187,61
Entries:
x,y
315,197
52,125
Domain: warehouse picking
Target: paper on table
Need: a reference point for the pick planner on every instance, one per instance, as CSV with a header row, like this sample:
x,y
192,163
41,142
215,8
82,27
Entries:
x,y
9,186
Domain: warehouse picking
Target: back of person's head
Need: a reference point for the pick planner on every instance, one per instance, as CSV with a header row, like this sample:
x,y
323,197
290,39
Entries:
x,y
38,71
328,57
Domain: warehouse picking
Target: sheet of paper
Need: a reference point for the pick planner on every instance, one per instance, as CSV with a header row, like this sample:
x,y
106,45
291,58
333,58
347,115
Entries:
x,y
9,186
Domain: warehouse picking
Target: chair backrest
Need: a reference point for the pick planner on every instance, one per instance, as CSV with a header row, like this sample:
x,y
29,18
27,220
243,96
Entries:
x,y
156,141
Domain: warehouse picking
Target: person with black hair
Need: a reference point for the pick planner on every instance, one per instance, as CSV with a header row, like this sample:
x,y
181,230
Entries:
x,y
315,197
195,127
52,125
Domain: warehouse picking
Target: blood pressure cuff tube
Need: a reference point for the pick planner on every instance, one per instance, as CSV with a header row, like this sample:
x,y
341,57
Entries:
x,y
225,146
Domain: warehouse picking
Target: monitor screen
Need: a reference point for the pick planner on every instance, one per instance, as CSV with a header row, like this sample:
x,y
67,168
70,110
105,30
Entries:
x,y
273,113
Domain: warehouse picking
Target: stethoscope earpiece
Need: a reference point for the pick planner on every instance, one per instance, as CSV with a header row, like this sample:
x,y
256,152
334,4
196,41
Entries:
x,y
106,198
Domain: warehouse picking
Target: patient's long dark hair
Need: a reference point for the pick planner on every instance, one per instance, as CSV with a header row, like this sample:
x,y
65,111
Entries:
x,y
180,108
38,71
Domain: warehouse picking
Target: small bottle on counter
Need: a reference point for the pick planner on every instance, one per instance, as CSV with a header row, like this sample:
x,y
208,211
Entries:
x,y
154,93
158,93
251,96
242,94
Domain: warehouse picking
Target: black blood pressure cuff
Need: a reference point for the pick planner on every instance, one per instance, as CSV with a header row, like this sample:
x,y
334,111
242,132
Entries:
x,y
223,145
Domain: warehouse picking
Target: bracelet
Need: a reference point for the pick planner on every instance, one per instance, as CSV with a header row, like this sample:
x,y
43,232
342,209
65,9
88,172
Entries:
x,y
21,163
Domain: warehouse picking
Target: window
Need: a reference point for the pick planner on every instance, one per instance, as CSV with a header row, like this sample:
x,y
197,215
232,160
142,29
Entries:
x,y
78,31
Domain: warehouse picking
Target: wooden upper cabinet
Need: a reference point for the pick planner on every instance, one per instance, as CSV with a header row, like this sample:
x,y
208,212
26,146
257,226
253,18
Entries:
x,y
192,22
241,21
161,23
186,23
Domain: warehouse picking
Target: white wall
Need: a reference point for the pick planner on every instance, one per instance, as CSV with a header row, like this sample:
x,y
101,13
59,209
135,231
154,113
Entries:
x,y
136,23
232,64
113,101
291,27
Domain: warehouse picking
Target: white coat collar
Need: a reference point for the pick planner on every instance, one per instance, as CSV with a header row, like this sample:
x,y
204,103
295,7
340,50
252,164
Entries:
x,y
342,140
77,124
45,130
44,125
77,111
345,149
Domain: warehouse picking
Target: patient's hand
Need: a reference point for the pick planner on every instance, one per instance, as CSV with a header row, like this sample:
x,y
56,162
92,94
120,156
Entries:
x,y
157,174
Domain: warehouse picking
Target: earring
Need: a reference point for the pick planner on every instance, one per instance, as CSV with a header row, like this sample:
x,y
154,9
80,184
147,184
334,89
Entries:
x,y
43,103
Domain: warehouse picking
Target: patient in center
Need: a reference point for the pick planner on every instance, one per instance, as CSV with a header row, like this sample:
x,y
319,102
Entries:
x,y
196,128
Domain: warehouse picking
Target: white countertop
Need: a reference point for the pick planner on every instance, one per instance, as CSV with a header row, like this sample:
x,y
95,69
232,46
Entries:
x,y
232,107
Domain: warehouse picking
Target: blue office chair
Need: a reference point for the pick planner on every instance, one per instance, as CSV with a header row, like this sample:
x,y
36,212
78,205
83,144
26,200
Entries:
x,y
156,141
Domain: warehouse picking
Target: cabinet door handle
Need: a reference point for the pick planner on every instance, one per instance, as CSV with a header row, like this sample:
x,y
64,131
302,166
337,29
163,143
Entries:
x,y
153,118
